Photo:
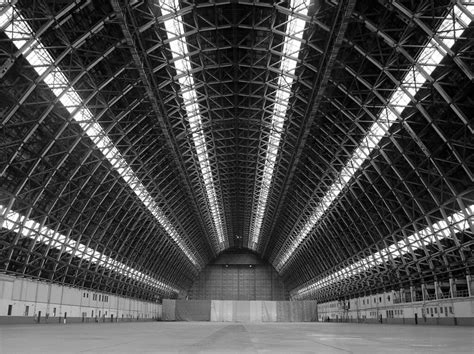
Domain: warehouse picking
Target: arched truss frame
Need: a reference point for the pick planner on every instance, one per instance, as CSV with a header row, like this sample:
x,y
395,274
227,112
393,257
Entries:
x,y
352,57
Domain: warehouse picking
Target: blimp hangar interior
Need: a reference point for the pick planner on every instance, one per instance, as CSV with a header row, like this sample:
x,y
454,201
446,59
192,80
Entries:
x,y
236,175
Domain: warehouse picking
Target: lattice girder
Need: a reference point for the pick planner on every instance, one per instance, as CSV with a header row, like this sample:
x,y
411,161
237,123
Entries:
x,y
436,189
351,57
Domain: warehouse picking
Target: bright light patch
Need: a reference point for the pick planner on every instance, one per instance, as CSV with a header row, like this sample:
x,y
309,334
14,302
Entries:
x,y
18,223
179,49
291,47
457,222
431,56
22,36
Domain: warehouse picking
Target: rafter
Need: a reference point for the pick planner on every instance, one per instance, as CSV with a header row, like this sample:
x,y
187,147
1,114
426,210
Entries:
x,y
26,227
433,53
179,50
432,234
23,37
289,59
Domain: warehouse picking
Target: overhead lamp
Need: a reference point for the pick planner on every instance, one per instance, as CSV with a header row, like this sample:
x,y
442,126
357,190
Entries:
x,y
443,229
19,31
179,50
451,28
289,57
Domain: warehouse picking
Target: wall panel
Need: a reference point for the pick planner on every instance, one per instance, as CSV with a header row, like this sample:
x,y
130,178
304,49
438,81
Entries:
x,y
241,311
238,282
194,310
227,311
217,310
269,311
169,310
256,311
20,294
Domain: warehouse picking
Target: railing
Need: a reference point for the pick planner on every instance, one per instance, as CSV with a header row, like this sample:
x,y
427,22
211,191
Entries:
x,y
462,293
443,295
430,297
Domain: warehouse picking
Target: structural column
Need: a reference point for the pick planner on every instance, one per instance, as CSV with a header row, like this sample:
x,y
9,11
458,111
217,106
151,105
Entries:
x,y
424,292
469,284
452,288
412,293
438,292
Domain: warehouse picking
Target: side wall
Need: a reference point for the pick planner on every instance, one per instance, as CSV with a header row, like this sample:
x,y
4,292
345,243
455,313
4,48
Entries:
x,y
386,308
24,300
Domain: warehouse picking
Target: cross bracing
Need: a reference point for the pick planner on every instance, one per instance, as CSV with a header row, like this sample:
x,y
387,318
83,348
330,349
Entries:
x,y
452,27
233,175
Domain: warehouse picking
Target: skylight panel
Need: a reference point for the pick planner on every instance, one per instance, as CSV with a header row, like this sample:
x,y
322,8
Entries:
x,y
430,57
179,50
20,224
291,47
455,223
23,37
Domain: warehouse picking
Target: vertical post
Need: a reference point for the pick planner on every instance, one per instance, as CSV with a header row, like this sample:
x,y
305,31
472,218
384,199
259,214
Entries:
x,y
49,302
423,291
452,288
469,285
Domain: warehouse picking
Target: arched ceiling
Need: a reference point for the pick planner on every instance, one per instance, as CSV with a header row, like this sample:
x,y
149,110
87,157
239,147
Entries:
x,y
141,138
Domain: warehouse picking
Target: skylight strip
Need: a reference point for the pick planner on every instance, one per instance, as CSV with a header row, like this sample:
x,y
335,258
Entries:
x,y
431,56
179,49
291,47
455,223
23,37
20,224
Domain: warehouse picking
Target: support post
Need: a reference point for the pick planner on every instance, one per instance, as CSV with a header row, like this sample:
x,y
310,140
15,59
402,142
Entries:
x,y
452,288
412,293
424,292
469,285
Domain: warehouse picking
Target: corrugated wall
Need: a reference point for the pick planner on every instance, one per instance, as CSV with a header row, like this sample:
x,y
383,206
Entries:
x,y
238,282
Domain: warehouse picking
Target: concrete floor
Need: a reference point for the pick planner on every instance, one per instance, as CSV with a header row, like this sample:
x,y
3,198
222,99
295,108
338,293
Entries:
x,y
212,337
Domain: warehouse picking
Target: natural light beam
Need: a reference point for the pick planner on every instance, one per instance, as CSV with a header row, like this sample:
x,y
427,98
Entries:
x,y
455,223
23,37
289,57
179,50
20,224
431,56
